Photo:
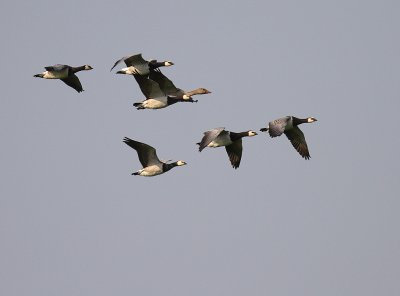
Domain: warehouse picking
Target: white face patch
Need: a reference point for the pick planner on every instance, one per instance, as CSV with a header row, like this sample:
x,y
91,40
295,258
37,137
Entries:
x,y
168,63
180,162
310,119
252,133
186,97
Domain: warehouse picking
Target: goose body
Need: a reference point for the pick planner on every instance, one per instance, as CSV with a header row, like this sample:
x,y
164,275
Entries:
x,y
65,73
232,142
288,125
51,74
223,139
137,65
168,87
152,166
158,103
156,98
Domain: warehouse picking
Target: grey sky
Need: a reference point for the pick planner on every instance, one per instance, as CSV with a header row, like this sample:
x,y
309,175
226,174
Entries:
x,y
73,221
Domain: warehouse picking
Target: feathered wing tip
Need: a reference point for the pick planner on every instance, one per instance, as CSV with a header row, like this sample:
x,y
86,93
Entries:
x,y
201,146
296,137
38,75
264,129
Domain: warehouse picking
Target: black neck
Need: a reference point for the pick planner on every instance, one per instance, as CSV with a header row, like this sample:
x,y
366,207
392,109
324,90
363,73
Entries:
x,y
297,121
236,136
77,69
173,100
155,64
168,166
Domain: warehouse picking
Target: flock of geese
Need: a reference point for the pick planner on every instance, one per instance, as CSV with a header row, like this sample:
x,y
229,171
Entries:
x,y
160,92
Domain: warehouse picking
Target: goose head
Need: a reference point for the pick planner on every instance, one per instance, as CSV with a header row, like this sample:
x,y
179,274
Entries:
x,y
88,67
251,133
168,63
180,163
311,119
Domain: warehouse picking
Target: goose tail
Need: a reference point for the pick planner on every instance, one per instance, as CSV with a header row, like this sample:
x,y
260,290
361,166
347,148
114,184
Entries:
x,y
138,105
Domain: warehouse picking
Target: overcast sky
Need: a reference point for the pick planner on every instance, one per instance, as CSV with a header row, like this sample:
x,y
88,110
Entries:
x,y
74,222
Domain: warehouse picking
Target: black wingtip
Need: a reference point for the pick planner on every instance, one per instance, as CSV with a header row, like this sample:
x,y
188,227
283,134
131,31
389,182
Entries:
x,y
200,148
235,165
264,129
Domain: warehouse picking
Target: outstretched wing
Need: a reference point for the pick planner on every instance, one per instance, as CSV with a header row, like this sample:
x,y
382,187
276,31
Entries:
x,y
210,136
296,137
234,151
134,60
73,81
149,88
147,154
277,126
166,85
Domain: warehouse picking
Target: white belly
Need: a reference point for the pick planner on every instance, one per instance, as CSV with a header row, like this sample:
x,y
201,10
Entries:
x,y
152,170
140,69
55,75
155,103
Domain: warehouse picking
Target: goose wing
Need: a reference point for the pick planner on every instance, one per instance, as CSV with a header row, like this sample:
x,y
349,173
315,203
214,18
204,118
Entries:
x,y
210,136
277,126
166,85
149,88
296,137
134,60
234,151
56,68
73,81
147,154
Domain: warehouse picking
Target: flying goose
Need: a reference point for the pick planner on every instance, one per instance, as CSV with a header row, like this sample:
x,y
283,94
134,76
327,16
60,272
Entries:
x,y
289,126
152,166
156,98
136,65
218,137
65,73
168,87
